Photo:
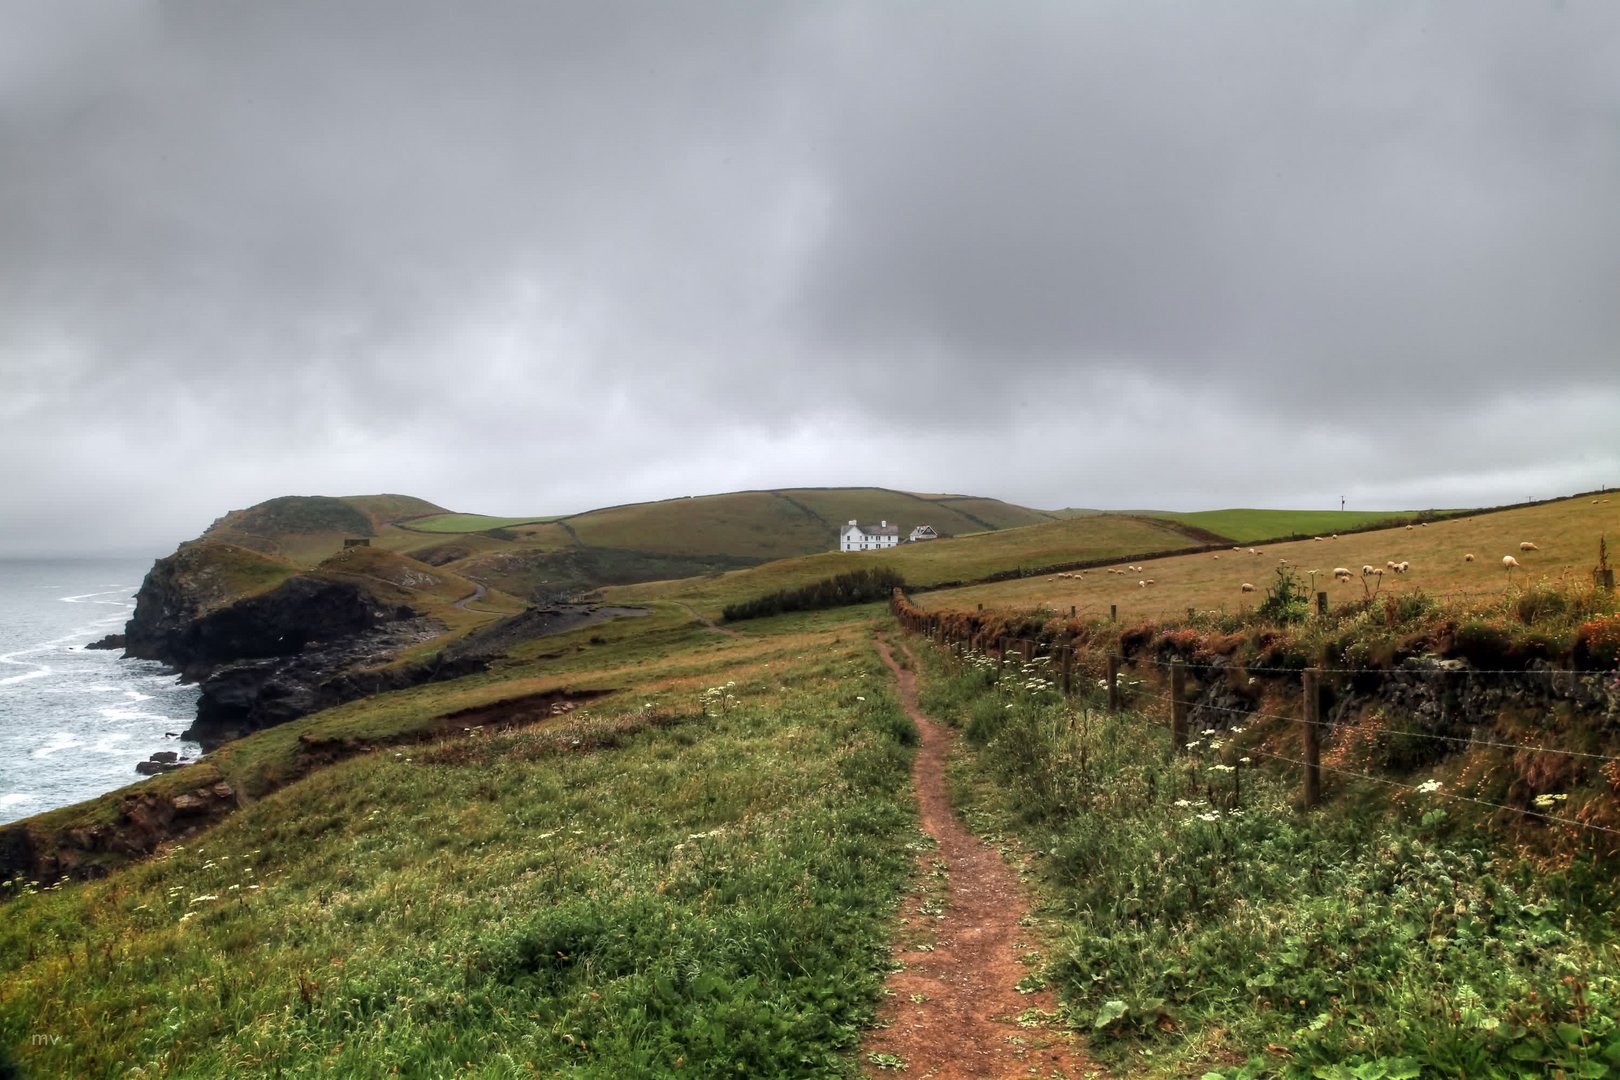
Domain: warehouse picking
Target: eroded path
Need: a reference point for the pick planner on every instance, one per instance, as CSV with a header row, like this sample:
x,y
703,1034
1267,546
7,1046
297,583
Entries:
x,y
955,1009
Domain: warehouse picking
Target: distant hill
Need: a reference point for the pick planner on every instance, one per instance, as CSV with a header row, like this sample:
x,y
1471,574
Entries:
x,y
548,556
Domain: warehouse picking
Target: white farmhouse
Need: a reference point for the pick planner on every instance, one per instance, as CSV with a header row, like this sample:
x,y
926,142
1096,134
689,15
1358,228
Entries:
x,y
923,532
857,537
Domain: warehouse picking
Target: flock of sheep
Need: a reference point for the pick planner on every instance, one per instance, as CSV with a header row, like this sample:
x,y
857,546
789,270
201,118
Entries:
x,y
1340,573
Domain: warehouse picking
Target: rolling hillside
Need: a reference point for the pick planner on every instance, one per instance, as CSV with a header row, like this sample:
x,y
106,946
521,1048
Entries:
x,y
1566,532
547,556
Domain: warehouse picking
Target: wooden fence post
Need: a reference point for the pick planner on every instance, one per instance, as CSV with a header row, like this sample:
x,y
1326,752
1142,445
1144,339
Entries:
x,y
1113,683
1178,706
1113,612
1073,611
1312,766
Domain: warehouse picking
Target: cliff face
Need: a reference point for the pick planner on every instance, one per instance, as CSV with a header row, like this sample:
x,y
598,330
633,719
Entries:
x,y
190,611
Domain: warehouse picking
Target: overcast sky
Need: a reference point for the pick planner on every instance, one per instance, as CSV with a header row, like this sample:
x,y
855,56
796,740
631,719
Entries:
x,y
530,257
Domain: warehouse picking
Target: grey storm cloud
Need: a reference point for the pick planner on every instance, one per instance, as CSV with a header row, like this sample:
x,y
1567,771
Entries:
x,y
521,257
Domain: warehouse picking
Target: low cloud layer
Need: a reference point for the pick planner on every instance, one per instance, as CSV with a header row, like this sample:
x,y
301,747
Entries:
x,y
522,258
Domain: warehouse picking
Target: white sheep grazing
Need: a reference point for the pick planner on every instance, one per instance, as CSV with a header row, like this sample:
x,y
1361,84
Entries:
x,y
1141,584
1468,557
1402,567
1214,556
1390,565
1367,571
1247,587
1316,539
1342,573
1509,563
1528,546
1150,581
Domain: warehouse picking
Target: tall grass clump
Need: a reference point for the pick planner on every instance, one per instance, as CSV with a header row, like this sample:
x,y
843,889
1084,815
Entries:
x,y
1204,925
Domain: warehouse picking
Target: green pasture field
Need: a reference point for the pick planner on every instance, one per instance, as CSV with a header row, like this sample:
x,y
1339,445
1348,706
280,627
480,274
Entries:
x,y
697,874
1097,536
1253,526
468,523
1566,532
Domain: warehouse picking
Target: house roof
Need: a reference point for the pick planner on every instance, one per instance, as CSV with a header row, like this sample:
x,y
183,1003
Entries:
x,y
875,530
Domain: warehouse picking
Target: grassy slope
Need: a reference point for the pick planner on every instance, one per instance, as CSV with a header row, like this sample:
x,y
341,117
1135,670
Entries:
x,y
707,892
1567,532
1099,536
466,523
778,524
1253,526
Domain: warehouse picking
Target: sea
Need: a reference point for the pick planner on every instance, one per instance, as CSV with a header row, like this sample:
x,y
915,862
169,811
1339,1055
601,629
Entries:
x,y
75,721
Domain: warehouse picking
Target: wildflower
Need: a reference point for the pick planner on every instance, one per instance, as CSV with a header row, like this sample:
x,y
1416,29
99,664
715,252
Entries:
x,y
1547,802
1184,803
1222,768
1428,787
1210,815
203,897
187,915
1244,761
859,698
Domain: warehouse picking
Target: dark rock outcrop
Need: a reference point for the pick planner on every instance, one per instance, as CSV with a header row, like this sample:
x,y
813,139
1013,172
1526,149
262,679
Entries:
x,y
252,694
167,625
111,641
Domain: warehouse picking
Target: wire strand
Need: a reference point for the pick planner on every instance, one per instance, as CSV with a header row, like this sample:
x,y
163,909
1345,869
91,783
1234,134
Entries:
x,y
1415,734
1442,791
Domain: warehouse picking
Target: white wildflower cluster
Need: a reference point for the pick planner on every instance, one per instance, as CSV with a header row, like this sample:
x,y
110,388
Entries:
x,y
720,697
1547,802
1429,787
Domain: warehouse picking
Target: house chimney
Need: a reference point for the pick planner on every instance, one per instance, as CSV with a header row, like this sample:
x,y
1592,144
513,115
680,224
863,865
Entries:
x,y
884,524
852,521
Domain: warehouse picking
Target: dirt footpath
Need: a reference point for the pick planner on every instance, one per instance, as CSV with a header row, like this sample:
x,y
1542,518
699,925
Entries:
x,y
955,1010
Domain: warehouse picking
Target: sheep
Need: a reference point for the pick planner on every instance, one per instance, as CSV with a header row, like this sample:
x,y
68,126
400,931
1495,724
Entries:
x,y
1215,556
1141,584
1342,573
1246,587
1150,581
1468,557
1401,567
1509,563
1390,565
1367,571
1316,539
1528,546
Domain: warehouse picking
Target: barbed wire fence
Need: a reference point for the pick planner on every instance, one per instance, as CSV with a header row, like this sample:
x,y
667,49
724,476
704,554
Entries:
x,y
1063,661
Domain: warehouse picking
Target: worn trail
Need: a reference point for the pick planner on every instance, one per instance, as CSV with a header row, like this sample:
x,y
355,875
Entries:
x,y
955,1010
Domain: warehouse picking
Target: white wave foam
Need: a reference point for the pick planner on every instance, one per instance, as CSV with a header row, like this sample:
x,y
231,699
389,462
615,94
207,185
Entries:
x,y
17,798
60,740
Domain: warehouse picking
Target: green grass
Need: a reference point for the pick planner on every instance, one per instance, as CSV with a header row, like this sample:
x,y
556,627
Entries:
x,y
1099,536
1199,934
635,890
1253,526
469,523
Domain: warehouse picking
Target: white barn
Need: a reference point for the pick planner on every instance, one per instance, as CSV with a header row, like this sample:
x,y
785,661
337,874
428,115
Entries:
x,y
858,537
923,532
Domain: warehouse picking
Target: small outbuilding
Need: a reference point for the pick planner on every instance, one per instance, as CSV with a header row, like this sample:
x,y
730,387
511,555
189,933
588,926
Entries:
x,y
923,532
